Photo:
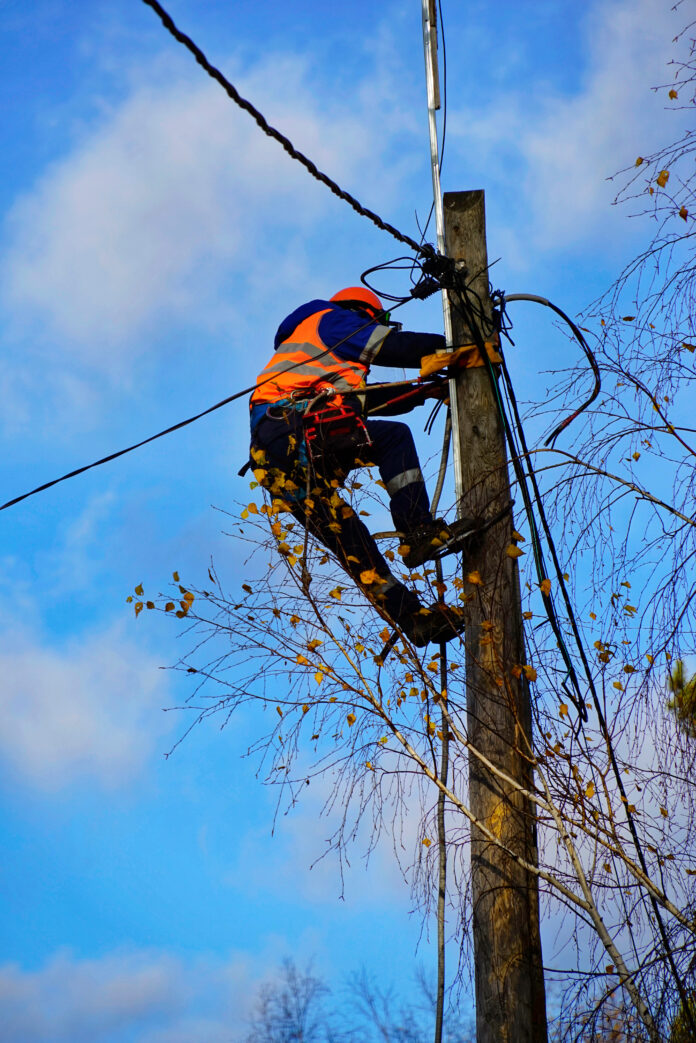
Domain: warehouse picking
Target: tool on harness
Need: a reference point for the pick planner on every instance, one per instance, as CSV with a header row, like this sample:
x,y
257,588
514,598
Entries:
x,y
334,434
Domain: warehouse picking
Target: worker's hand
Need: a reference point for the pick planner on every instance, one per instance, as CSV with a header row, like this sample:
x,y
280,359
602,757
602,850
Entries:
x,y
439,390
464,357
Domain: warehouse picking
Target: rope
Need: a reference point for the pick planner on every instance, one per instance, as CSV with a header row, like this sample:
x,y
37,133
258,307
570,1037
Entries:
x,y
192,419
271,132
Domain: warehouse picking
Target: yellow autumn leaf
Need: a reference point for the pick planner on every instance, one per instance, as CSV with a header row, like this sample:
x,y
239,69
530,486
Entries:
x,y
673,94
683,213
518,536
639,161
318,677
188,596
475,578
279,711
149,604
513,552
314,643
302,660
664,812
368,764
593,615
662,178
305,708
169,607
426,842
351,719
527,615
590,789
619,687
252,508
368,576
336,593
244,514
545,586
530,673
139,590
389,555
563,709
138,607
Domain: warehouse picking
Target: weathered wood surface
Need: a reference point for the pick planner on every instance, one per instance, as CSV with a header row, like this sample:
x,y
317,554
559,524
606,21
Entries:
x,y
510,1000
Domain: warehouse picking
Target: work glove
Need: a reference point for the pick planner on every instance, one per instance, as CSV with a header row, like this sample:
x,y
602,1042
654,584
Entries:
x,y
465,357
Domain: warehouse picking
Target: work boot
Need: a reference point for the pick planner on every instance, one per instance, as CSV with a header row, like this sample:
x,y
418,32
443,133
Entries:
x,y
424,543
437,624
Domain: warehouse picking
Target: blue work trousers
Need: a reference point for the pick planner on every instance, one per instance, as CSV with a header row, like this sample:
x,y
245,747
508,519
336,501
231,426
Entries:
x,y
393,451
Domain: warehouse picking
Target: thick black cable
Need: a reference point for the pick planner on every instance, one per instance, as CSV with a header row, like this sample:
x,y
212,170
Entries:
x,y
271,132
185,423
577,333
129,449
476,332
605,729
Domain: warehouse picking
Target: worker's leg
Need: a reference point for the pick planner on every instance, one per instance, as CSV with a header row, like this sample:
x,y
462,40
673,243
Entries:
x,y
329,517
345,535
394,452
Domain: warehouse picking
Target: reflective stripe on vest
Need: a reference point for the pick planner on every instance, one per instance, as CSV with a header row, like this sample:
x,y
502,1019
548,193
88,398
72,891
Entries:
x,y
304,363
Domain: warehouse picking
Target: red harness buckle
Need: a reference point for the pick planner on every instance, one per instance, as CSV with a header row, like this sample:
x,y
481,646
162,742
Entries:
x,y
334,432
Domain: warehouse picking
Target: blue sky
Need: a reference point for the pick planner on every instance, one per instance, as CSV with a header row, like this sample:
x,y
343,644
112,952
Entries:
x,y
151,241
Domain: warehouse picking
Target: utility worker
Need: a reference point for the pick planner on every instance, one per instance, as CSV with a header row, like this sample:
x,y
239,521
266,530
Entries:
x,y
311,423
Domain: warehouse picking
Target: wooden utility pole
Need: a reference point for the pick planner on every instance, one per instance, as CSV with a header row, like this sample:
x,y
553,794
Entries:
x,y
510,1001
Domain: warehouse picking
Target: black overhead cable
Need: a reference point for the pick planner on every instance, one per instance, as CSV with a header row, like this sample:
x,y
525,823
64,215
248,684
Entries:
x,y
476,320
583,344
191,420
271,132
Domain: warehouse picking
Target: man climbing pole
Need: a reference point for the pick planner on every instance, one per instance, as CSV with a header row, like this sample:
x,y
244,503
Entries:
x,y
311,423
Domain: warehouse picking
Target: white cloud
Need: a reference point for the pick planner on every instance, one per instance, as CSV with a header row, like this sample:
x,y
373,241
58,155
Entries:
x,y
139,222
90,710
148,997
580,142
551,152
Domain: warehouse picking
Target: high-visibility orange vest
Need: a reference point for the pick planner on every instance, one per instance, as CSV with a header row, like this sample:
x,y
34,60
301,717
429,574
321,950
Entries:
x,y
304,363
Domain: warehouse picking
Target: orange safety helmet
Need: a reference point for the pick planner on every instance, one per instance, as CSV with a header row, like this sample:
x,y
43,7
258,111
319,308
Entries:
x,y
361,298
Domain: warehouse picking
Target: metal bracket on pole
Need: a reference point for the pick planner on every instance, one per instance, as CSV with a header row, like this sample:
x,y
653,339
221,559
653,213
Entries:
x,y
433,85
